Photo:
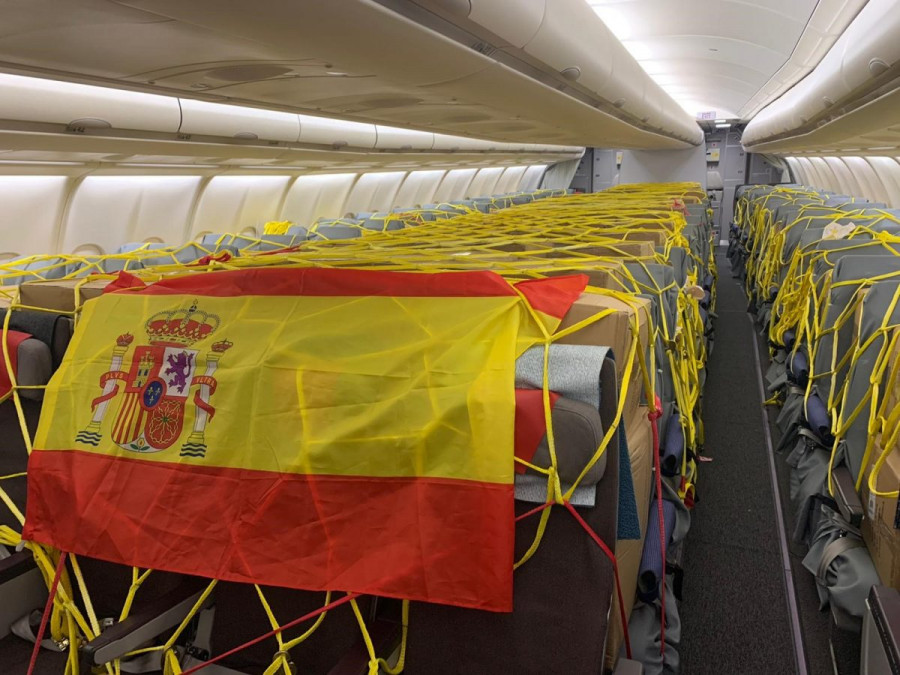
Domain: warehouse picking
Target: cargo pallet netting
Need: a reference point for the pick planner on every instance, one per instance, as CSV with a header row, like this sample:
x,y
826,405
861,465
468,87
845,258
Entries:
x,y
442,440
822,275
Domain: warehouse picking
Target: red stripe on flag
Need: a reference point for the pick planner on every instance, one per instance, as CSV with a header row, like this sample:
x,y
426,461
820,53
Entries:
x,y
434,540
280,281
531,425
556,297
552,296
14,338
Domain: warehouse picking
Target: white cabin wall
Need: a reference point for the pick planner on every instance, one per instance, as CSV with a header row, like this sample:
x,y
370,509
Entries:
x,y
848,184
100,213
240,204
30,213
875,178
798,172
484,182
105,212
870,184
419,188
321,196
664,166
815,176
531,179
510,179
455,185
374,192
888,170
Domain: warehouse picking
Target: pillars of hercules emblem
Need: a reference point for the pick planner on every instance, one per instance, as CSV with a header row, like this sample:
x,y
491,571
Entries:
x,y
91,434
195,446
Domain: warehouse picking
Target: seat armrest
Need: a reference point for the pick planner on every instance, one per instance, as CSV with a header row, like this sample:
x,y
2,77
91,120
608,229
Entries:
x,y
884,604
17,564
848,501
158,616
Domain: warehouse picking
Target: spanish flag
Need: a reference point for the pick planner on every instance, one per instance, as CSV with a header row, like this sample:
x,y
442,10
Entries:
x,y
309,428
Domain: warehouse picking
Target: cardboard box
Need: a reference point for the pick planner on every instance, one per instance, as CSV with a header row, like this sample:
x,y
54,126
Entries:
x,y
600,275
623,249
655,237
612,331
629,551
881,525
58,295
892,392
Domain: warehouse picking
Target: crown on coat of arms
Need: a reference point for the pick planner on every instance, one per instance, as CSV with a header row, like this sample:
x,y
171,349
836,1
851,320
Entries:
x,y
181,326
222,346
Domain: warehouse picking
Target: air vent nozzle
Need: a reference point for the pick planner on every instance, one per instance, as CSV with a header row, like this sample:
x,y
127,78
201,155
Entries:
x,y
572,73
878,67
84,123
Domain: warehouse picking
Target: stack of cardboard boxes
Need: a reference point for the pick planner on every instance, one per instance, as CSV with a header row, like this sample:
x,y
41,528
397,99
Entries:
x,y
881,524
616,332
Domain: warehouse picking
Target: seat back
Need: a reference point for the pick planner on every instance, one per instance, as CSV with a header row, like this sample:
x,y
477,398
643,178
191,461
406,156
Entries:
x,y
562,595
240,617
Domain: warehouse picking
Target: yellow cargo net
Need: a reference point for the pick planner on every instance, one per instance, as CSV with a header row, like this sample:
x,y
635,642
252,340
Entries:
x,y
611,236
804,283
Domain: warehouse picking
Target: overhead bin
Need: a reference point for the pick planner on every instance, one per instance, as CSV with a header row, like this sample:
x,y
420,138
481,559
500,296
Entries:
x,y
575,42
828,21
837,87
395,138
460,143
83,107
572,36
502,88
514,28
337,133
230,121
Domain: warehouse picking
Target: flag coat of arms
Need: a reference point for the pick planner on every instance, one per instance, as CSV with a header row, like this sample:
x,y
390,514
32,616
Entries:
x,y
309,428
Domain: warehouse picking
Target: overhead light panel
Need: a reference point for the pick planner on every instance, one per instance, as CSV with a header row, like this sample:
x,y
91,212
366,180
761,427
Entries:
x,y
724,125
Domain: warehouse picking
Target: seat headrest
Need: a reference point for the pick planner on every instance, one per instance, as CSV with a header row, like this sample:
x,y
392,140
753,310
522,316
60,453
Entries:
x,y
577,433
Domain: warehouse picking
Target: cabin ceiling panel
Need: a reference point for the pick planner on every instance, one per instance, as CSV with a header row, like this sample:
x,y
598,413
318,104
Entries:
x,y
348,58
718,55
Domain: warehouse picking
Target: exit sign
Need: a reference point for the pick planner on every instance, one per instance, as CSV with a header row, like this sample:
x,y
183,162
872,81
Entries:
x,y
709,115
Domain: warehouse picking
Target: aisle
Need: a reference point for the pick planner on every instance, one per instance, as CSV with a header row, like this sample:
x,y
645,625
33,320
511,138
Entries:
x,y
734,613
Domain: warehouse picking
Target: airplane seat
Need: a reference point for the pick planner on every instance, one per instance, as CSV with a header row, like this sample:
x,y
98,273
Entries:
x,y
330,232
483,204
112,265
376,222
107,585
274,242
188,254
383,222
394,224
238,616
298,231
452,208
45,268
136,245
53,330
568,575
34,366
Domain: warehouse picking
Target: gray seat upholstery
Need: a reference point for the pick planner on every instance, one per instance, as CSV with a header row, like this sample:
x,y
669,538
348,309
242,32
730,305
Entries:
x,y
577,433
33,368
